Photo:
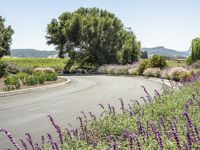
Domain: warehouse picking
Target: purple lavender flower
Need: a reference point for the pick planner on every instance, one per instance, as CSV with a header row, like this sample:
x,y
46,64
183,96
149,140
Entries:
x,y
190,126
137,102
58,129
92,116
51,141
81,123
37,147
122,105
29,139
131,142
176,137
43,139
189,141
113,109
140,128
197,132
23,144
131,113
159,139
101,105
142,98
157,93
12,140
84,115
69,134
138,143
114,146
164,127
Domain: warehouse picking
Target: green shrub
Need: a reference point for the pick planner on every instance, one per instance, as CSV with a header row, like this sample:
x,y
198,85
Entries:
x,y
32,80
41,77
22,77
51,76
143,66
157,62
189,60
3,67
68,66
12,83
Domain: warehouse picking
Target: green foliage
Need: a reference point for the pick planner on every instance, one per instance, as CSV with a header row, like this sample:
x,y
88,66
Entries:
x,y
157,62
22,77
5,38
27,64
189,60
143,66
195,50
144,55
51,76
3,67
13,82
68,66
93,36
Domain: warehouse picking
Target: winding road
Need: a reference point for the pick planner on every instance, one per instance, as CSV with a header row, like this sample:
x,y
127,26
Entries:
x,y
28,112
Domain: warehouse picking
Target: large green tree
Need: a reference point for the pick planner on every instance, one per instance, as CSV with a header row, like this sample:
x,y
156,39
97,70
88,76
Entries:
x,y
195,49
93,36
5,38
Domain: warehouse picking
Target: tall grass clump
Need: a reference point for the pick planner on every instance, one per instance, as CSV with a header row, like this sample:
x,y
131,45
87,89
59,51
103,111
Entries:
x,y
14,82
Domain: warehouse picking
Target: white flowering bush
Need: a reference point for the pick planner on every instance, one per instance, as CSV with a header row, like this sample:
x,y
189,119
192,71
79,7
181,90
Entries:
x,y
179,73
44,69
118,69
152,72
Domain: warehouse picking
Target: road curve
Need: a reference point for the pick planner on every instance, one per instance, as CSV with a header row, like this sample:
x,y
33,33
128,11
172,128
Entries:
x,y
28,112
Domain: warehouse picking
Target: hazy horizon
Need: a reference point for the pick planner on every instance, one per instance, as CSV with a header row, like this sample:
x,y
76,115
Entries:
x,y
172,24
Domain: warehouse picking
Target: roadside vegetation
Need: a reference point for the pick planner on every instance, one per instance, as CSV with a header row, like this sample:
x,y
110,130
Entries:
x,y
19,80
167,121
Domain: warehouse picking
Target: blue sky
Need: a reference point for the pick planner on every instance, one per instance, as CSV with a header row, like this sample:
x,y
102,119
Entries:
x,y
170,23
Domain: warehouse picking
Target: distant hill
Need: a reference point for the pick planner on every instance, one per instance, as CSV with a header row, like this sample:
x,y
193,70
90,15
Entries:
x,y
160,50
32,53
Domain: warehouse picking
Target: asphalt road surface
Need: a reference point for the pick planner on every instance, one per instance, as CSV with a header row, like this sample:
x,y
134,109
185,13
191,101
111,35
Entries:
x,y
28,112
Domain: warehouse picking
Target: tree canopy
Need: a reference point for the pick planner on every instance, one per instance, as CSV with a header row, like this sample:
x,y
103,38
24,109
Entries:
x,y
93,36
195,49
5,38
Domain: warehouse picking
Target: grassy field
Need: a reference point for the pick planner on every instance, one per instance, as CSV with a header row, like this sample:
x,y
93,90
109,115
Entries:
x,y
176,63
56,63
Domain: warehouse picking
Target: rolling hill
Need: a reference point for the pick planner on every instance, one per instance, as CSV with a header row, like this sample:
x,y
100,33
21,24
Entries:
x,y
31,53
160,50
